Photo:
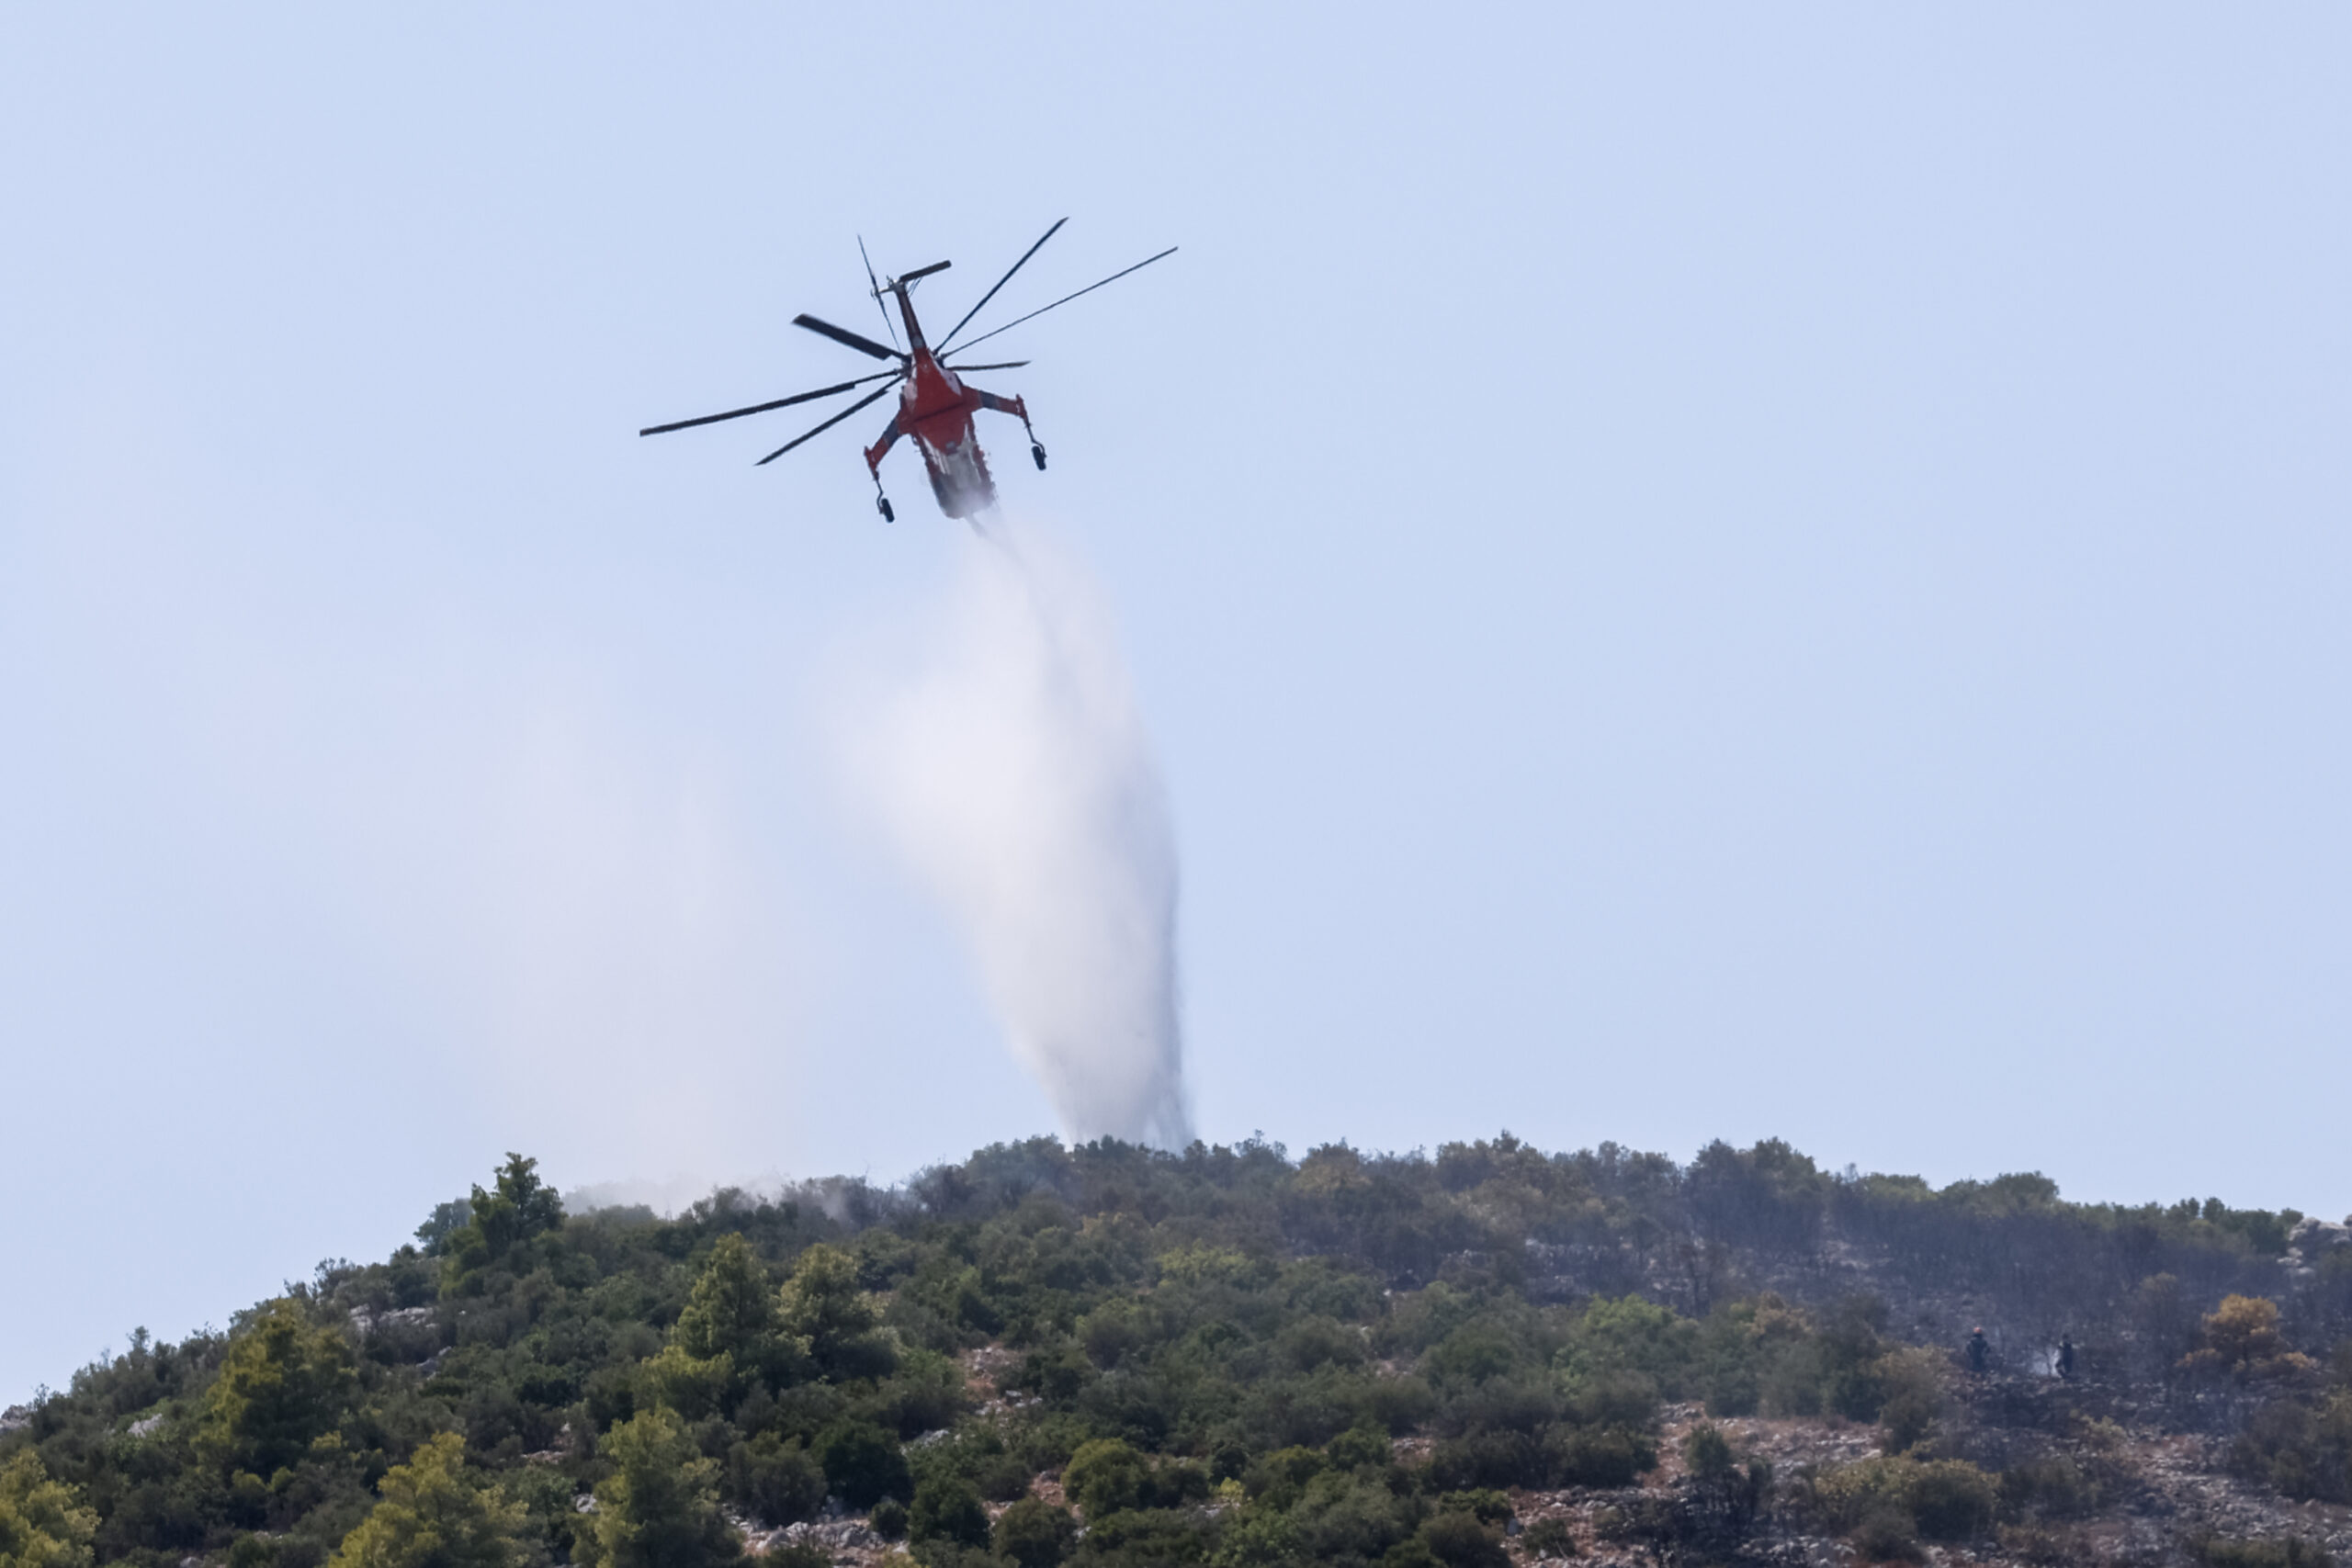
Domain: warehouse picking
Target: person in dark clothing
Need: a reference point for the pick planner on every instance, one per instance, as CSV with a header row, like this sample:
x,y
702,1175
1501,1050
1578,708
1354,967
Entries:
x,y
1980,1351
2066,1357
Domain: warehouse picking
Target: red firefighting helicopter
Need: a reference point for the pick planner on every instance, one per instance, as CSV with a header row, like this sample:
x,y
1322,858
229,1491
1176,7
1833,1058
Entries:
x,y
935,406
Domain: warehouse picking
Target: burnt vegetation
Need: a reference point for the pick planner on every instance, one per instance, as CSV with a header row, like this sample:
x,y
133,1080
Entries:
x,y
1109,1356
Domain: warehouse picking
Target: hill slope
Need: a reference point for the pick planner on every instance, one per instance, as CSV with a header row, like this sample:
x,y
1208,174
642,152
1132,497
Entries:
x,y
1108,1355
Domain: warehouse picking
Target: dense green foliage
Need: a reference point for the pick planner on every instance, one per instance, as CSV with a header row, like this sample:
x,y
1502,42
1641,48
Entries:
x,y
1213,1353
42,1524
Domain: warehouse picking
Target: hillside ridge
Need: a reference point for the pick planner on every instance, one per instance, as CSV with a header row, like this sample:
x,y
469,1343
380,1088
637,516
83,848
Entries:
x,y
1106,1355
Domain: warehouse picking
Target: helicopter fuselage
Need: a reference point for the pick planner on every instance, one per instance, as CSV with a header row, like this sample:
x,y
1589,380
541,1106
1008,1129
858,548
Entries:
x,y
936,407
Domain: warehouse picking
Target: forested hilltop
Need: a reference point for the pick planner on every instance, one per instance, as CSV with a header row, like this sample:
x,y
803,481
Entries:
x,y
1107,1355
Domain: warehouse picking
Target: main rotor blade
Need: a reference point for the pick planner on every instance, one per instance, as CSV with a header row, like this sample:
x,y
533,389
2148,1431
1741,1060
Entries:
x,y
844,335
1067,298
763,408
888,331
822,428
1008,364
1000,282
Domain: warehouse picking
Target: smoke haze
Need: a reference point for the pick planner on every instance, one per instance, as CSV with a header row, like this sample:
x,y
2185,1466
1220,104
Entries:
x,y
1010,767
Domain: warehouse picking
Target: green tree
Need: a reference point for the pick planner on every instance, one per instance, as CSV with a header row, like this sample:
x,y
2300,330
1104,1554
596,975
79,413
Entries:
x,y
2240,1340
431,1514
42,1522
283,1384
729,1339
733,1309
675,1381
446,1219
502,1224
825,1308
660,1506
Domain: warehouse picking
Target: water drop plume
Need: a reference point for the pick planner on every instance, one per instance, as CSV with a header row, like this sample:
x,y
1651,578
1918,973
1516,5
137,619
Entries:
x,y
1011,767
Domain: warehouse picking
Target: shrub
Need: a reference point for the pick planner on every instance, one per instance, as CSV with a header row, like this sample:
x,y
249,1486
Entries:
x,y
888,1520
775,1481
1148,1536
1885,1534
1349,1517
1942,1499
1279,1476
1034,1533
1357,1447
2052,1487
1486,1505
1411,1553
2047,1546
946,1508
1911,1386
1459,1540
1490,1458
1706,1452
864,1463
1549,1537
1953,1500
1107,1475
1614,1456
2287,1552
2304,1450
802,1556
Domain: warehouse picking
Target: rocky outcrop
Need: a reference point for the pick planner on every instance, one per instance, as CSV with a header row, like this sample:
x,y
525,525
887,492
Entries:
x,y
365,1323
2311,1241
844,1541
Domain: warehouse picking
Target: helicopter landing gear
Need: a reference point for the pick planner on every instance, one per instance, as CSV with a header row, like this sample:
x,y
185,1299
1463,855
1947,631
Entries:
x,y
882,504
1038,453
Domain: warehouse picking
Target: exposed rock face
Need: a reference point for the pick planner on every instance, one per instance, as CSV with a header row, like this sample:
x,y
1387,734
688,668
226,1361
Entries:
x,y
15,1418
2314,1234
365,1323
845,1540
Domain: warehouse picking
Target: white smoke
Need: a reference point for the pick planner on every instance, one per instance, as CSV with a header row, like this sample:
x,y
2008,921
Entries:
x,y
1010,768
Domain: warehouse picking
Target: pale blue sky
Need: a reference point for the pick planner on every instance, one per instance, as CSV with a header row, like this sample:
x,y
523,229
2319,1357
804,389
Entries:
x,y
1697,571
